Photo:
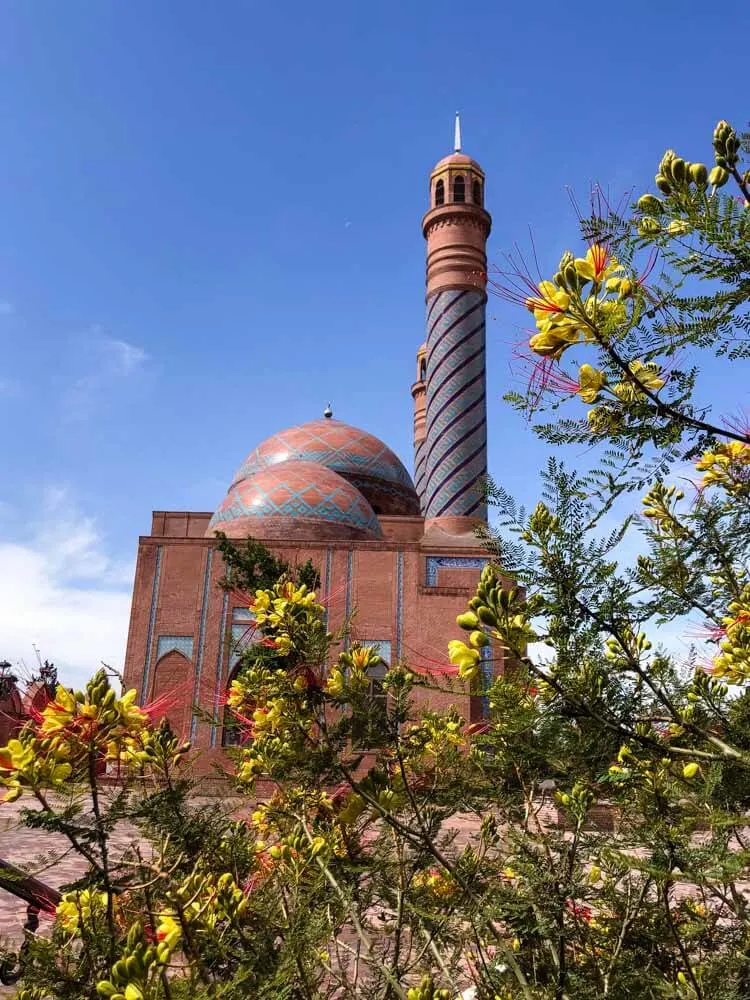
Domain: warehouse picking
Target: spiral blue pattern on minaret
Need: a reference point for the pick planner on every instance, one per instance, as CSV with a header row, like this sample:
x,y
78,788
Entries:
x,y
420,471
455,446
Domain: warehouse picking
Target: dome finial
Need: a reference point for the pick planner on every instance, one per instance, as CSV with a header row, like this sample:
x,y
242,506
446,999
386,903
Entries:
x,y
457,134
328,412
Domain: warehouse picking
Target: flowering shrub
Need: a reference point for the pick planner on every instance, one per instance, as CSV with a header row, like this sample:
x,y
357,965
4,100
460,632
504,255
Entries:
x,y
588,837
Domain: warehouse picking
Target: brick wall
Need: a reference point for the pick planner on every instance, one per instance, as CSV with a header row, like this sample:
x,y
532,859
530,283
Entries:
x,y
383,585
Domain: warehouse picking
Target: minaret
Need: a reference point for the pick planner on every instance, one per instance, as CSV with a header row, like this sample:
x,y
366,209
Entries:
x,y
453,448
419,395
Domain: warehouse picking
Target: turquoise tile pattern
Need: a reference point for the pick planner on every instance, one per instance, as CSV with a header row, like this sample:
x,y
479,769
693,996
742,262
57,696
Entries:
x,y
334,444
174,643
301,491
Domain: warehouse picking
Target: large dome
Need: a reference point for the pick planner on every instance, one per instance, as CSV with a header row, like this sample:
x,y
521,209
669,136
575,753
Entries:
x,y
295,500
360,458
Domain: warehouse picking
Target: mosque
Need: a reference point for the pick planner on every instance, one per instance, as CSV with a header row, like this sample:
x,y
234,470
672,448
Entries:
x,y
401,552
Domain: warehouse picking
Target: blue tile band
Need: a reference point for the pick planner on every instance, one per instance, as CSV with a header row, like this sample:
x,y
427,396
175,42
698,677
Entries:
x,y
455,446
151,623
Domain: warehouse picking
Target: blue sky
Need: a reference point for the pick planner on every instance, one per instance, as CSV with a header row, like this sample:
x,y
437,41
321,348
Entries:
x,y
210,226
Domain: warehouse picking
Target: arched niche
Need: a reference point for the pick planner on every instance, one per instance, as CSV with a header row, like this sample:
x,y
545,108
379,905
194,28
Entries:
x,y
172,691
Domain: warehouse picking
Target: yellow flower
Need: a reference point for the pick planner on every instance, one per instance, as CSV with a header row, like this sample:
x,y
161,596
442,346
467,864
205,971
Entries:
x,y
465,658
262,601
168,931
725,467
591,381
237,696
85,907
553,301
623,287
647,374
336,683
363,657
597,265
678,227
553,339
283,644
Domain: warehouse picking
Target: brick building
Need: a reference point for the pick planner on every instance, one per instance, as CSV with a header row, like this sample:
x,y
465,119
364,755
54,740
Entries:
x,y
402,553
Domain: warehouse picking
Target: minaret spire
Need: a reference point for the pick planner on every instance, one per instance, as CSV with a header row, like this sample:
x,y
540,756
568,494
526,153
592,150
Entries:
x,y
457,134
450,402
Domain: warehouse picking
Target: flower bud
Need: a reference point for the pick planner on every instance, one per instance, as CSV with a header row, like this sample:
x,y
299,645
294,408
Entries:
x,y
699,174
718,177
650,204
479,639
663,184
725,144
468,621
486,616
690,770
648,226
571,275
665,167
679,170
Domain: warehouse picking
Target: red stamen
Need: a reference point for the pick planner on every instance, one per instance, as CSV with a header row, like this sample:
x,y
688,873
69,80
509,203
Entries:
x,y
739,422
541,374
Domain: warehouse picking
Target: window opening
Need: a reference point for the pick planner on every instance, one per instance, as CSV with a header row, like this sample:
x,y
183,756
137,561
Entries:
x,y
369,729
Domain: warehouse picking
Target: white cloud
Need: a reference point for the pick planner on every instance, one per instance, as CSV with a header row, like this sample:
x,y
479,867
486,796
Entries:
x,y
124,358
109,360
63,593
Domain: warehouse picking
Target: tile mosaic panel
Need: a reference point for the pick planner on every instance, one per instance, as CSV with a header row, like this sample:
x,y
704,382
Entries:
x,y
177,643
434,563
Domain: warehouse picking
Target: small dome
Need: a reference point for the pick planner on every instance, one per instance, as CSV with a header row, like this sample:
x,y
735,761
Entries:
x,y
361,458
457,160
295,500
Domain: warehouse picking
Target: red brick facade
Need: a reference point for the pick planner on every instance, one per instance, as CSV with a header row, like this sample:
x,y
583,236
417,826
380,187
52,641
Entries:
x,y
405,590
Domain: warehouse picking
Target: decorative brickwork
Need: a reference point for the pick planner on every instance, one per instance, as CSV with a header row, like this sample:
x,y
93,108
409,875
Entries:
x,y
420,471
455,448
